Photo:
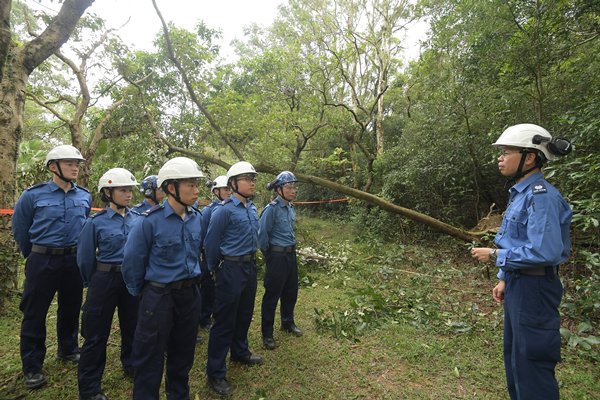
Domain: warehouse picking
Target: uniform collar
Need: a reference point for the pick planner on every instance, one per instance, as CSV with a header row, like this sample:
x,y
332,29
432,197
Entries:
x,y
281,202
521,186
54,187
167,209
111,213
237,202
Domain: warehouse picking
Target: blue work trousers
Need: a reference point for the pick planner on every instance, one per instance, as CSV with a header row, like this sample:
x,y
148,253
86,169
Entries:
x,y
235,291
281,282
106,292
531,335
166,329
207,290
46,275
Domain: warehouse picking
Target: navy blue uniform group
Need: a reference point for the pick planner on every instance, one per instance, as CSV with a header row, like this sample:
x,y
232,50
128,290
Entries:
x,y
151,267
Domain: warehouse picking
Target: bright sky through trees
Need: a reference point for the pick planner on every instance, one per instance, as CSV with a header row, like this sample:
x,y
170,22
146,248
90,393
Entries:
x,y
230,16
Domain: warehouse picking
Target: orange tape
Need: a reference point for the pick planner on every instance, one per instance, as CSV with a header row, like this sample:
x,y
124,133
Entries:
x,y
9,211
320,202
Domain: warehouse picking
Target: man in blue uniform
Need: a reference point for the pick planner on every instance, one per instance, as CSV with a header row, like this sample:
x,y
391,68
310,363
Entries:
x,y
162,263
207,285
99,257
532,242
277,242
153,195
231,243
47,220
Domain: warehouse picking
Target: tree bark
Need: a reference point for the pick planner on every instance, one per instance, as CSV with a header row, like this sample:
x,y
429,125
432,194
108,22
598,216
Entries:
x,y
16,64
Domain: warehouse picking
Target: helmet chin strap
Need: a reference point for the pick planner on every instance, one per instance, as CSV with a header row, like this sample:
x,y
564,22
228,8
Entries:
x,y
176,196
218,194
520,173
60,173
280,193
234,188
110,199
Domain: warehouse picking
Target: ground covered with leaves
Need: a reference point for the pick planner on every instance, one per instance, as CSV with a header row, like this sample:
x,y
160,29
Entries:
x,y
411,320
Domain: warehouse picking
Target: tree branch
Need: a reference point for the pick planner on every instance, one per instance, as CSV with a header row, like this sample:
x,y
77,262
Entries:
x,y
190,87
55,34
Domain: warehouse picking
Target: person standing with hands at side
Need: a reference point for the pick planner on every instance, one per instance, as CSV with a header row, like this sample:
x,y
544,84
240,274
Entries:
x,y
532,242
161,263
277,242
153,194
47,220
230,244
100,257
207,285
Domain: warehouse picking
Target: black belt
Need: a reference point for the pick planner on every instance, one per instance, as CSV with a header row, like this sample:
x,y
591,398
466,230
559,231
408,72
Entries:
x,y
536,271
108,267
279,249
182,284
54,251
246,258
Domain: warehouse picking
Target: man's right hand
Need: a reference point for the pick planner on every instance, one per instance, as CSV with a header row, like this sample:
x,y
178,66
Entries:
x,y
498,292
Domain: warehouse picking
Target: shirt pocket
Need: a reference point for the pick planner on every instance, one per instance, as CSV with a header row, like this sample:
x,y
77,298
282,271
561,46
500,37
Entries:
x,y
517,224
194,239
167,251
111,243
78,210
49,209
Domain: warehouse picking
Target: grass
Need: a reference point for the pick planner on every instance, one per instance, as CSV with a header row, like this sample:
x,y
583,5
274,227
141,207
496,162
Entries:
x,y
430,331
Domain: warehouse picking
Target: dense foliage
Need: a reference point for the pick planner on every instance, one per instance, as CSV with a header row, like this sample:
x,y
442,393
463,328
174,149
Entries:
x,y
324,91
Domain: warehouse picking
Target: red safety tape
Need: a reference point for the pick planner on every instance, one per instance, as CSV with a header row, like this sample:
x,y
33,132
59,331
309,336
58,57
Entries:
x,y
320,202
8,211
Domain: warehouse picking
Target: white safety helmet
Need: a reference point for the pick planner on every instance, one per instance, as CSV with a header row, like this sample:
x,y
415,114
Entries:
x,y
179,168
240,168
116,177
219,182
529,136
63,152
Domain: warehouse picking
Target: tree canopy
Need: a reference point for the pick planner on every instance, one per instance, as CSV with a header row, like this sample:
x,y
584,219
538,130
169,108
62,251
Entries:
x,y
324,91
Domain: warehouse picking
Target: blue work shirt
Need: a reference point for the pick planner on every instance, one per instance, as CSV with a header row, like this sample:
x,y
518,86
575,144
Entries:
x,y
162,248
48,216
102,239
535,227
206,214
142,207
276,225
232,231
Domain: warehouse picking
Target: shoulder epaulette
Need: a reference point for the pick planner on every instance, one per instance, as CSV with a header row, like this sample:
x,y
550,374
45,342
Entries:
x,y
82,188
131,210
103,211
152,209
227,200
138,205
538,188
37,185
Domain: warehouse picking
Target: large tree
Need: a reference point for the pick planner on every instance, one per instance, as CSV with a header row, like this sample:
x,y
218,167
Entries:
x,y
17,62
